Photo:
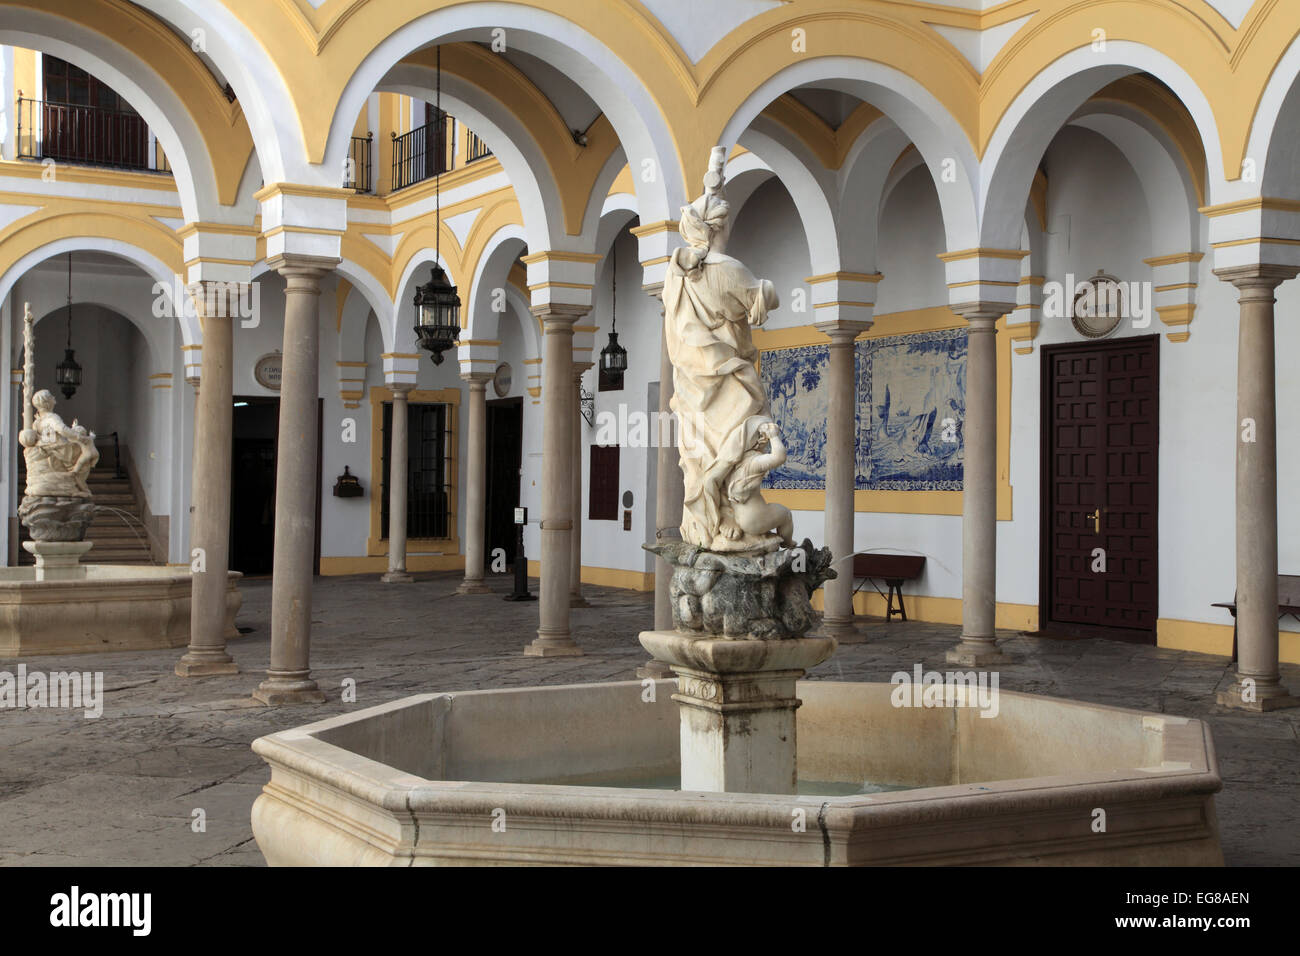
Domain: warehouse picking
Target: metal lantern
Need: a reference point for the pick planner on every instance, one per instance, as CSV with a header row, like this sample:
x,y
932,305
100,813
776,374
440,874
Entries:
x,y
613,357
437,314
68,373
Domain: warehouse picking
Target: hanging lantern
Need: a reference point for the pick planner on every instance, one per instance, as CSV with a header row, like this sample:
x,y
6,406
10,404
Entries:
x,y
437,306
437,314
613,357
68,373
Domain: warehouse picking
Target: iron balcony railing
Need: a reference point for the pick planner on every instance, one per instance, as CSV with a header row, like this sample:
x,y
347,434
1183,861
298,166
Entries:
x,y
358,175
417,158
90,135
475,148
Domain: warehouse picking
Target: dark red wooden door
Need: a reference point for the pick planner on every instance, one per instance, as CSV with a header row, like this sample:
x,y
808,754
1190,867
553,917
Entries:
x,y
1101,417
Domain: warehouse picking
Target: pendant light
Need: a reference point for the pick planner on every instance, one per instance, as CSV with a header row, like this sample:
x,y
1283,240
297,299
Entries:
x,y
437,306
613,357
68,372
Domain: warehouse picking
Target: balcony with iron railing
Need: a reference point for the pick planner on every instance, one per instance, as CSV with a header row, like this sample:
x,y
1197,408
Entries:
x,y
475,148
416,156
86,135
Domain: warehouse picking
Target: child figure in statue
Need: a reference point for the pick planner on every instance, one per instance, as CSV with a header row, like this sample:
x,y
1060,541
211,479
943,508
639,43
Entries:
x,y
750,513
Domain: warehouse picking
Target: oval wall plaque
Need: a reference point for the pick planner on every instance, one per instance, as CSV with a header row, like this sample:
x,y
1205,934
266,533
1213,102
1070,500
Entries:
x,y
267,371
502,380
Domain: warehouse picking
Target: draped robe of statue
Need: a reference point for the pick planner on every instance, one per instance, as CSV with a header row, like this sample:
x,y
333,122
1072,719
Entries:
x,y
710,303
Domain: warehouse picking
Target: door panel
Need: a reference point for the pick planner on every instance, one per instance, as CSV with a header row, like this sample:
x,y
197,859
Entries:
x,y
1101,420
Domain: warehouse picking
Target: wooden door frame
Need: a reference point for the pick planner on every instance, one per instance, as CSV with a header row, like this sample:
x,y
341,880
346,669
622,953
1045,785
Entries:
x,y
1045,448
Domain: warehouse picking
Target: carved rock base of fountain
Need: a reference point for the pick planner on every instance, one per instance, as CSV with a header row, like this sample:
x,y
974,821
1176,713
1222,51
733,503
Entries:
x,y
63,606
58,560
737,707
51,518
744,596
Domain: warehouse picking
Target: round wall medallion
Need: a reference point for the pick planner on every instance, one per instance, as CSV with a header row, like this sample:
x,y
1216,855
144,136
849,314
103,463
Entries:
x,y
1099,306
627,499
267,371
502,379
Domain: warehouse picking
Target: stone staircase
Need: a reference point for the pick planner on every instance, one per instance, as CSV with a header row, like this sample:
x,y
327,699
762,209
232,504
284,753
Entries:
x,y
118,538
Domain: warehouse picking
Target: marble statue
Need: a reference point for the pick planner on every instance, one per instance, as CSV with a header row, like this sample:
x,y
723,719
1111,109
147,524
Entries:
x,y
56,502
710,303
731,577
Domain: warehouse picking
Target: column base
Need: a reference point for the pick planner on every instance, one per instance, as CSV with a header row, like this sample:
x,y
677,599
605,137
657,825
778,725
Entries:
x,y
473,586
577,600
205,666
552,647
276,691
654,670
844,631
396,577
1234,696
977,653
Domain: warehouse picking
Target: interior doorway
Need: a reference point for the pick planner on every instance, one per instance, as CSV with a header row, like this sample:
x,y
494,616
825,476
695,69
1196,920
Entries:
x,y
255,441
1100,460
505,446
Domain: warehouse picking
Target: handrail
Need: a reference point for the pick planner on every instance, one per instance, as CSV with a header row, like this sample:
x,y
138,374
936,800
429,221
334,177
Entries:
x,y
80,133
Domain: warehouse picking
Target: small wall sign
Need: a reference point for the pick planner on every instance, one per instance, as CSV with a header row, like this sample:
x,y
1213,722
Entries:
x,y
502,379
267,371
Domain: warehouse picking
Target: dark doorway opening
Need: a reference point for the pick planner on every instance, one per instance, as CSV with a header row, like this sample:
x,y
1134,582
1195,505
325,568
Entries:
x,y
1100,478
505,447
255,440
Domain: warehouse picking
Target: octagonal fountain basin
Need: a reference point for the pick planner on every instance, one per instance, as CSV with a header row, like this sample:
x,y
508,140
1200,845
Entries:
x,y
100,607
585,774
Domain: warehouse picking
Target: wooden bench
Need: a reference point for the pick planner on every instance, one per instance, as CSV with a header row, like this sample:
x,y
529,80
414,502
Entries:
x,y
1288,602
894,569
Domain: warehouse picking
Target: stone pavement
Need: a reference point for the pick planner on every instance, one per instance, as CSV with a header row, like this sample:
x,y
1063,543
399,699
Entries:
x,y
122,789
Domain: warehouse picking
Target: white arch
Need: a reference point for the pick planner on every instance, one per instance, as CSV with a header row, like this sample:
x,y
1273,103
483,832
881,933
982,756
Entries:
x,y
809,185
1171,197
144,89
599,200
158,360
907,103
150,265
263,96
1274,145
376,297
521,158
1045,105
505,244
588,62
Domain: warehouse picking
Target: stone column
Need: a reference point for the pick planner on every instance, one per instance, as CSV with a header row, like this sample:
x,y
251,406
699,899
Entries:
x,y
288,679
575,572
979,528
841,475
210,496
1258,686
669,493
559,419
669,485
398,469
476,481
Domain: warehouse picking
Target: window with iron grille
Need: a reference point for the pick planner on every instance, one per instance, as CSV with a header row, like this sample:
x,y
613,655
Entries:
x,y
430,469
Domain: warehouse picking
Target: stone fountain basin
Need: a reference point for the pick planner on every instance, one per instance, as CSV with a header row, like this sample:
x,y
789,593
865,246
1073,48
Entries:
x,y
548,775
103,607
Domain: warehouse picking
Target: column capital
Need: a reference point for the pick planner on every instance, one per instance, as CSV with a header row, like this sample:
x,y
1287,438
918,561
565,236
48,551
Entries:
x,y
981,316
477,380
1257,276
294,265
842,331
400,388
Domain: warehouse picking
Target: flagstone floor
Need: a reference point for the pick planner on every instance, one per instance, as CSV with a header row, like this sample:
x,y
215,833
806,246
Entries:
x,y
127,788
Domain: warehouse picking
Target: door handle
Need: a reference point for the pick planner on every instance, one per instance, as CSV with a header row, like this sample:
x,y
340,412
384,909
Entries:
x,y
1096,521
